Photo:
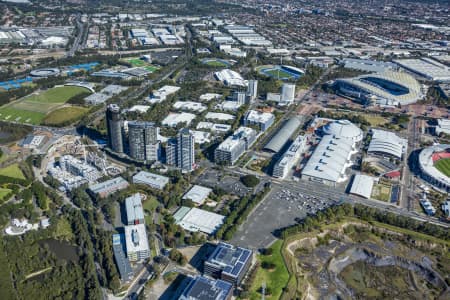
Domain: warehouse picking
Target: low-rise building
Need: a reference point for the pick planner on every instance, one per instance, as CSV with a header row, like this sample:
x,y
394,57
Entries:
x,y
229,151
197,194
106,188
228,263
136,242
134,210
202,288
290,157
261,119
123,264
195,219
153,180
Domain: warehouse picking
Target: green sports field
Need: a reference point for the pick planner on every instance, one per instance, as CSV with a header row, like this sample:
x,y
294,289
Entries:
x,y
278,72
32,109
443,165
64,115
137,62
216,63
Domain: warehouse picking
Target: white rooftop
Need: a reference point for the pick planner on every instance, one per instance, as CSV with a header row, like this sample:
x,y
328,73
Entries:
x,y
362,185
189,105
219,116
173,119
136,238
197,194
201,220
387,142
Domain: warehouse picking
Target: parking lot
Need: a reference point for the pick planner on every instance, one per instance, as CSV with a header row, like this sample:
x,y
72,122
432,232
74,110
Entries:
x,y
230,184
285,204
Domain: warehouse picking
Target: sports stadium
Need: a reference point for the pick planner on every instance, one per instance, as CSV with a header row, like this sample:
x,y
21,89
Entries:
x,y
281,72
387,88
434,164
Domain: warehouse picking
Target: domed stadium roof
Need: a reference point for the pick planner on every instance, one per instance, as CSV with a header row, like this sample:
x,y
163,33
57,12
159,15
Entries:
x,y
343,129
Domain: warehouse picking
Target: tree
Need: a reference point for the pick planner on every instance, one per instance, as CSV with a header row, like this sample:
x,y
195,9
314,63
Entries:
x,y
250,180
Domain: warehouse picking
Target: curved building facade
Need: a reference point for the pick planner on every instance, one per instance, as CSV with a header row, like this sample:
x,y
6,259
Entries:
x,y
114,127
344,129
283,135
393,88
427,160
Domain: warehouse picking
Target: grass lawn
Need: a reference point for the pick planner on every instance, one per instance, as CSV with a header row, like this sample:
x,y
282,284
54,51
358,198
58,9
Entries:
x,y
443,165
56,95
3,193
32,109
12,171
375,120
64,115
216,63
381,192
276,279
150,204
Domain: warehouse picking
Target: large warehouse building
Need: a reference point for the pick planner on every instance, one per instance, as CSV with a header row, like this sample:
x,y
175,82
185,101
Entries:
x,y
431,159
388,88
426,68
386,143
332,156
283,135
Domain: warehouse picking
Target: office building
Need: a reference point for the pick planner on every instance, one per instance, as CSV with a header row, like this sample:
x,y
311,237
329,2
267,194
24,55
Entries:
x,y
135,212
228,263
202,288
290,157
229,151
123,264
114,128
136,242
106,188
252,90
287,94
150,179
240,97
180,152
76,167
261,119
143,141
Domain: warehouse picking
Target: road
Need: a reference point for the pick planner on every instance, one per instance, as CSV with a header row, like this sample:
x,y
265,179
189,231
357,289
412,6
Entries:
x,y
81,29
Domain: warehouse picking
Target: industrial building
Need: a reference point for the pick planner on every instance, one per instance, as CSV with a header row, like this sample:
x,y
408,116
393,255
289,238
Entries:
x,y
202,288
173,119
123,264
150,179
198,194
136,242
190,105
143,141
261,119
386,143
230,78
134,210
278,141
229,151
106,188
161,94
228,263
114,128
332,156
290,157
385,89
195,219
362,185
426,68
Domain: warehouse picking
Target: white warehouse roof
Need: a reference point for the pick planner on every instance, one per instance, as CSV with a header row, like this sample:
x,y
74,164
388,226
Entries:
x,y
197,194
330,159
387,142
230,77
196,219
362,186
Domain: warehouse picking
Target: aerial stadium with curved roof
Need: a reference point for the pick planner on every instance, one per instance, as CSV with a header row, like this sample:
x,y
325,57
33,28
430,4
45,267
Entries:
x,y
387,88
434,164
